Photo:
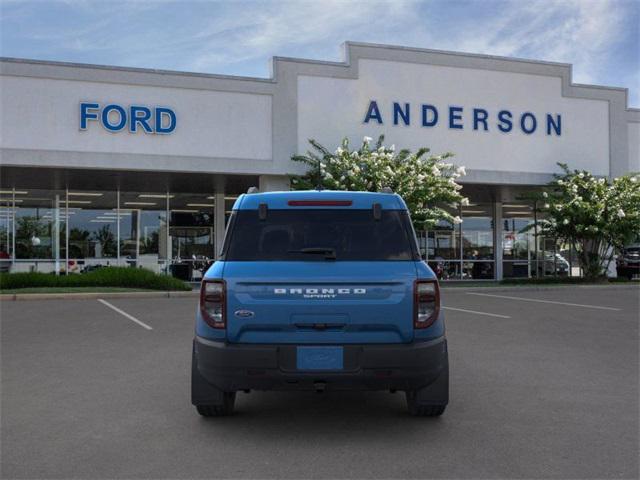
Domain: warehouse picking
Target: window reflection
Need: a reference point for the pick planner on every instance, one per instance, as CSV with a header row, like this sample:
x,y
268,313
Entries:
x,y
37,220
144,229
192,234
518,240
6,230
477,232
92,229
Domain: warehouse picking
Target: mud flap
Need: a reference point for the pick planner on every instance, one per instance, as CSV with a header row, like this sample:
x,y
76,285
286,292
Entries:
x,y
437,392
202,392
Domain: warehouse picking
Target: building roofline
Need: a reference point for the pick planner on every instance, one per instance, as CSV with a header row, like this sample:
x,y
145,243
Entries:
x,y
95,66
452,52
346,62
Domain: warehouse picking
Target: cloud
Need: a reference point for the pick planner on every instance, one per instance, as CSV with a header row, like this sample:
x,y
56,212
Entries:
x,y
600,37
273,28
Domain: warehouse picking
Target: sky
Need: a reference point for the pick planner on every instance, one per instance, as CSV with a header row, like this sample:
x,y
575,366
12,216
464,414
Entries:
x,y
601,38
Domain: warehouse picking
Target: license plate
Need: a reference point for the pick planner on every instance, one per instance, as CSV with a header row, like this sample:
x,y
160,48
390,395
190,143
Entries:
x,y
320,358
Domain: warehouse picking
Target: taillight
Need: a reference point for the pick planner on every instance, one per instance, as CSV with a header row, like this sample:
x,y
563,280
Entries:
x,y
213,303
426,303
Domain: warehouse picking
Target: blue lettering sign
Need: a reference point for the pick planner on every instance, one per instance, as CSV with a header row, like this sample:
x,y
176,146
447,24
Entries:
x,y
122,116
399,112
425,115
480,115
455,113
87,112
504,118
478,118
114,118
556,125
161,126
140,115
373,112
532,125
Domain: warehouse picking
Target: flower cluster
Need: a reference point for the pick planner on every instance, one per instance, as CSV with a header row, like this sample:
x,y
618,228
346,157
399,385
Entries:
x,y
424,181
594,214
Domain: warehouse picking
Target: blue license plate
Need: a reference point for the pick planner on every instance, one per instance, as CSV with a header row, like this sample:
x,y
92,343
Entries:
x,y
320,358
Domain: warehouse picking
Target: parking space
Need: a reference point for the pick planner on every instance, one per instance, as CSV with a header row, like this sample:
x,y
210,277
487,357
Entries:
x,y
544,385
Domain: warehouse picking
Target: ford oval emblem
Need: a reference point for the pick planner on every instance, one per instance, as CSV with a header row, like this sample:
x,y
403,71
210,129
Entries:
x,y
244,313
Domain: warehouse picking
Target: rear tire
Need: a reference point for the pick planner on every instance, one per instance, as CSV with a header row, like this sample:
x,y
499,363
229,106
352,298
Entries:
x,y
219,410
419,410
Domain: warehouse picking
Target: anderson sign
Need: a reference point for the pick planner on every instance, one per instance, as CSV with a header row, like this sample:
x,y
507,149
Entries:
x,y
459,118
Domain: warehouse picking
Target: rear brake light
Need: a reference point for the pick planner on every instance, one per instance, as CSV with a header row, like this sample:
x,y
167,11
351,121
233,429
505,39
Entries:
x,y
213,303
426,305
319,203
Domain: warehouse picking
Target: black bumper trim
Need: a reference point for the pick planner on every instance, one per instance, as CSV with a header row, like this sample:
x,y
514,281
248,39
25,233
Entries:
x,y
232,367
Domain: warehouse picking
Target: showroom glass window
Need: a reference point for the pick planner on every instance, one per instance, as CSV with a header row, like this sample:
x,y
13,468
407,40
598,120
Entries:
x,y
39,229
92,231
144,229
192,234
477,242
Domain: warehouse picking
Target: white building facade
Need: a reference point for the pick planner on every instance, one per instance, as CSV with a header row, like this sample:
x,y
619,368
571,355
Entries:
x,y
118,166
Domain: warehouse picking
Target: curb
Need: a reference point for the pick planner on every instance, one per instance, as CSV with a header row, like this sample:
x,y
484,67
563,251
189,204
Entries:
x,y
94,295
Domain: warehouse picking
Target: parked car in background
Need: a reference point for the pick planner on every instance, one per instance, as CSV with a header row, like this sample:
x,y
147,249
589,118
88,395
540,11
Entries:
x,y
628,263
5,262
320,290
554,264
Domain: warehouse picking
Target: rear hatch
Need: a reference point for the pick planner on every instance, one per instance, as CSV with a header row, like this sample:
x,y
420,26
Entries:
x,y
320,302
320,276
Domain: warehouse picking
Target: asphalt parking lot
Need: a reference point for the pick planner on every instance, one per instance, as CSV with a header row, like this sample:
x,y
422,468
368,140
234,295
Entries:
x,y
544,385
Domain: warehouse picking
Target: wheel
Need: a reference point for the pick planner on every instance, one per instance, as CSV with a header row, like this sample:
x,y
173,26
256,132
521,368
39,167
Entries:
x,y
418,410
229,399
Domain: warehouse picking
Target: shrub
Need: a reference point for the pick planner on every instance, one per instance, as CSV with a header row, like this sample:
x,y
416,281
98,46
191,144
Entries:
x,y
597,216
125,277
423,181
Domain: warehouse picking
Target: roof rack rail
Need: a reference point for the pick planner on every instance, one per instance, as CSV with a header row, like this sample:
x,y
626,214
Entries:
x,y
386,190
253,190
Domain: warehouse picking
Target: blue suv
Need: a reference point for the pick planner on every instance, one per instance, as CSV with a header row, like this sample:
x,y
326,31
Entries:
x,y
320,290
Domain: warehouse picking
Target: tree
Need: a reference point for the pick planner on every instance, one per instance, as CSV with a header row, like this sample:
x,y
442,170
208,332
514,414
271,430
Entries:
x,y
425,182
105,237
596,216
29,228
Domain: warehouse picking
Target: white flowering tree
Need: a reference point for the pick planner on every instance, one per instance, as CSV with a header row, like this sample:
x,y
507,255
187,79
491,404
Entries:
x,y
424,181
596,216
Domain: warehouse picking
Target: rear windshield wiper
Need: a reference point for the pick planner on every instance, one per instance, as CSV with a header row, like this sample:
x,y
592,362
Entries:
x,y
328,252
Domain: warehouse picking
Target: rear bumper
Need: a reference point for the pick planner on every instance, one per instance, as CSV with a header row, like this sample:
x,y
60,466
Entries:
x,y
232,367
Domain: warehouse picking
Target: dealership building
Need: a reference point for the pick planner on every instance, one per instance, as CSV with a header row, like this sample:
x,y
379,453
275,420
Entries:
x,y
103,165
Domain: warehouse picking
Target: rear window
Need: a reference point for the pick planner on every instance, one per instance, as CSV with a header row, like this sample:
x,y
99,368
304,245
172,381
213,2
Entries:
x,y
318,234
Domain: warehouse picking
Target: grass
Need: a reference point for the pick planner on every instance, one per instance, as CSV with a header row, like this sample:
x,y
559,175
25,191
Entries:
x,y
71,290
125,278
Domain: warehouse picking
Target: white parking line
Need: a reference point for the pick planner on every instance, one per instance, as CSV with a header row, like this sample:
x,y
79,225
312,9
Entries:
x,y
475,312
125,314
544,301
